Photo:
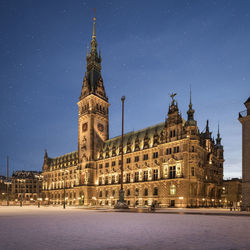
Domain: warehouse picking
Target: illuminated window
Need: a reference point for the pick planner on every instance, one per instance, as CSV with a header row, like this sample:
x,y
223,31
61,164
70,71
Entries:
x,y
155,175
172,189
106,180
172,172
128,177
136,176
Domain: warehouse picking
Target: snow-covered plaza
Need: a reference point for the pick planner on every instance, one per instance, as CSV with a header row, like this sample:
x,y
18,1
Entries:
x,y
72,228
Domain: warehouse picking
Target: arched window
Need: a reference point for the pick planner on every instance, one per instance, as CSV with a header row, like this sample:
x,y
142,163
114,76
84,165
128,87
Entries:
x,y
155,191
136,192
172,189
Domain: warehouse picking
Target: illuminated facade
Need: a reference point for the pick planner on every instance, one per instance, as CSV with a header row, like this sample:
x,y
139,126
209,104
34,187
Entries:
x,y
244,118
171,163
26,186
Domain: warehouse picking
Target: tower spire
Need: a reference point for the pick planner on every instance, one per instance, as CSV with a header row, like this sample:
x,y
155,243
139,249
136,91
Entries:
x,y
93,41
218,139
94,19
190,103
190,112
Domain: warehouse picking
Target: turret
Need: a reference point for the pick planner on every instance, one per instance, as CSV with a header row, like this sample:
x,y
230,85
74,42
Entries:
x,y
190,114
45,161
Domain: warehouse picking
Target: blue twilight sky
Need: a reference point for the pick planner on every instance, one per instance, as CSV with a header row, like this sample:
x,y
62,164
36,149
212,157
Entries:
x,y
149,49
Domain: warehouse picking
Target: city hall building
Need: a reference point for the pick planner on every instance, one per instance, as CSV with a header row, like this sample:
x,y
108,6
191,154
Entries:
x,y
168,164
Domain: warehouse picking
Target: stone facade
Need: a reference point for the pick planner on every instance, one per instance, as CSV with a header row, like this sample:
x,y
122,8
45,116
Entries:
x,y
27,186
169,164
232,193
244,118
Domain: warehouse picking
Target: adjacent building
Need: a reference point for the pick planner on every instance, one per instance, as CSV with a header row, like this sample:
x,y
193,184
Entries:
x,y
244,118
170,164
232,193
27,186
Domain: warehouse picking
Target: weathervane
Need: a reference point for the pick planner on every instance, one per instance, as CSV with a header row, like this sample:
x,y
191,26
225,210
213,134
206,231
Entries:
x,y
172,96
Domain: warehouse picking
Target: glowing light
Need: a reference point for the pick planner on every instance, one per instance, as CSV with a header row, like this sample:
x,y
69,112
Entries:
x,y
181,198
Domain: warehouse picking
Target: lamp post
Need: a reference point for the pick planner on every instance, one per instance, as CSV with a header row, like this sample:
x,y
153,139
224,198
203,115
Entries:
x,y
121,203
64,189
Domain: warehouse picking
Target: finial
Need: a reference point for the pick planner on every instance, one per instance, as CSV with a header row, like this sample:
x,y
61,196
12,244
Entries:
x,y
190,104
207,127
94,19
218,130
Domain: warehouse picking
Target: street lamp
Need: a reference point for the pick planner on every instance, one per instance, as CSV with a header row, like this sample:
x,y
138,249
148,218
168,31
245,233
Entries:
x,y
121,203
64,190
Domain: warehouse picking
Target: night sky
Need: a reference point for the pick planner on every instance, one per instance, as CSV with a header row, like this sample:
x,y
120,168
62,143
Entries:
x,y
149,49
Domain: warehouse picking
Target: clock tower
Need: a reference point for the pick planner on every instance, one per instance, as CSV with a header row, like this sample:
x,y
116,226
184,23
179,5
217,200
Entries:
x,y
93,106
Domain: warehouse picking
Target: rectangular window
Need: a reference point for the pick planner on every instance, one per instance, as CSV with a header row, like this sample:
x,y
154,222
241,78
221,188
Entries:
x,y
172,172
136,176
100,180
145,175
100,165
155,155
106,164
155,175
178,149
113,179
120,162
128,160
113,163
128,177
106,180
145,157
137,158
170,151
192,171
167,151
174,149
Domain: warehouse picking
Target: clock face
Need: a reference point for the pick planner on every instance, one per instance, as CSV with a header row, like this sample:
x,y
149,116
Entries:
x,y
84,127
100,127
